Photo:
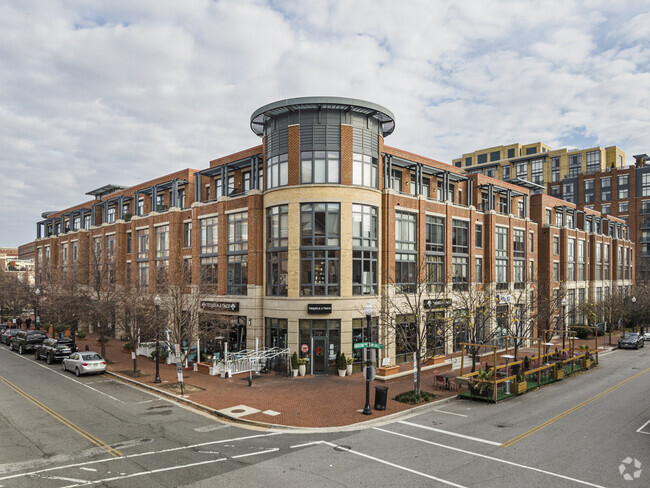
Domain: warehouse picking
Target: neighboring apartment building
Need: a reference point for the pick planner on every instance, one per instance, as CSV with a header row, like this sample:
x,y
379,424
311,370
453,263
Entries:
x,y
595,177
295,236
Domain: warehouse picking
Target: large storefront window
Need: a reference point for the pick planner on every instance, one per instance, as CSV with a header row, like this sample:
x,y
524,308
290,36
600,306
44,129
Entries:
x,y
275,335
323,340
405,338
219,330
460,328
436,332
359,334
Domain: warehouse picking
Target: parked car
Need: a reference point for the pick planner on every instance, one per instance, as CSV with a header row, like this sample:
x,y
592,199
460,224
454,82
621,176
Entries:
x,y
84,363
630,340
7,335
646,336
27,340
55,349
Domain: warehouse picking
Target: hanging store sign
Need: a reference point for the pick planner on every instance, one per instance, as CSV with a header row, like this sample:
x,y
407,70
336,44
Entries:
x,y
437,302
503,298
220,306
319,308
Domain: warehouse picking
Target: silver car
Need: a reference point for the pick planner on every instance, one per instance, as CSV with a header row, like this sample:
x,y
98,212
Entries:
x,y
84,363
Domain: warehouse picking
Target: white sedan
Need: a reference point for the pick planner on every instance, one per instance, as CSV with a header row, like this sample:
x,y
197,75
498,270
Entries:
x,y
646,336
84,362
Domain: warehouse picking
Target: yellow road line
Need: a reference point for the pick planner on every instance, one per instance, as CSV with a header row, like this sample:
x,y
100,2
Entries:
x,y
113,452
520,437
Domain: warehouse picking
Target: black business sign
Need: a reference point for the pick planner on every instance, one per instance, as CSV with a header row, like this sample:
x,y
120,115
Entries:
x,y
437,302
220,306
319,308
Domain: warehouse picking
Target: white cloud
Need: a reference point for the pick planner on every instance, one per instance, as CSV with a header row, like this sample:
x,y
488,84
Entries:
x,y
121,92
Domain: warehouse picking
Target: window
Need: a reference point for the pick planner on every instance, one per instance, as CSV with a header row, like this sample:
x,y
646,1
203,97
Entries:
x,y
605,261
511,153
518,252
482,158
180,198
570,220
111,215
319,167
278,171
556,245
502,258
143,274
209,236
405,251
606,188
320,234
518,248
396,180
489,172
531,269
522,170
142,236
359,334
556,191
593,162
645,184
76,223
277,247
479,269
468,161
537,171
559,219
548,216
208,270
426,186
606,208
506,172
571,259
568,192
555,169
405,337
162,242
622,207
623,187
581,260
140,207
645,206
495,155
590,191
599,261
187,234
365,238
435,250
478,235
237,267
575,164
364,170
460,252
531,242
128,243
531,150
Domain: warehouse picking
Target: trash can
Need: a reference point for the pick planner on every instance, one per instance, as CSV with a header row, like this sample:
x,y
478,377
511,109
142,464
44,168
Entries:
x,y
381,397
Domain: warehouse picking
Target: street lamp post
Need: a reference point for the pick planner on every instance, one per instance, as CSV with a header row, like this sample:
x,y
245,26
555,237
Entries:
x,y
564,331
368,311
37,318
156,302
633,308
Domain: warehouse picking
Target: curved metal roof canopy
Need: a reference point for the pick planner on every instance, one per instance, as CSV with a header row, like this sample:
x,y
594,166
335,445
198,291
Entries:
x,y
263,114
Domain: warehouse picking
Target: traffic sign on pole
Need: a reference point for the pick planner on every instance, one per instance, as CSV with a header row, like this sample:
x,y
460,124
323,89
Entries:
x,y
360,345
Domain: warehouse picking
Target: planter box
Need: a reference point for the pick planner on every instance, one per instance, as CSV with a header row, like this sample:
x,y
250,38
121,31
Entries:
x,y
520,388
559,374
387,371
203,367
436,360
587,363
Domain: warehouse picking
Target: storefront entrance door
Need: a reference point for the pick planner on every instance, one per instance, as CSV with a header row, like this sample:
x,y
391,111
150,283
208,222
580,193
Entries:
x,y
319,355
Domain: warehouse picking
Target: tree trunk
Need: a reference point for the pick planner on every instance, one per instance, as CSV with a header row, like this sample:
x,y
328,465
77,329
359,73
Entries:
x,y
102,344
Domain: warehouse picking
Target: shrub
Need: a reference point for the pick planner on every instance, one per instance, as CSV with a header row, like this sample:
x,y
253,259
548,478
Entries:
x,y
526,362
342,363
294,360
129,346
410,397
80,335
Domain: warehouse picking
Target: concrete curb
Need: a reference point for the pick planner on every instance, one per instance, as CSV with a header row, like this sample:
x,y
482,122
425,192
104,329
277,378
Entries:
x,y
366,424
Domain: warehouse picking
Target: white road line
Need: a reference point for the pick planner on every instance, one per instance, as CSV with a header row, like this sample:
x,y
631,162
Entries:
x,y
89,469
68,377
143,473
306,444
64,479
491,458
640,429
210,428
149,401
141,454
255,453
455,434
403,468
449,413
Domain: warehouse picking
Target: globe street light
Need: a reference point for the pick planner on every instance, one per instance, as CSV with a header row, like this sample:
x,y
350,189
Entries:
x,y
633,302
564,331
156,302
368,311
37,318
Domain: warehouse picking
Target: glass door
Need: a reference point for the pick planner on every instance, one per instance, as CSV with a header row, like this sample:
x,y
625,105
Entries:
x,y
319,355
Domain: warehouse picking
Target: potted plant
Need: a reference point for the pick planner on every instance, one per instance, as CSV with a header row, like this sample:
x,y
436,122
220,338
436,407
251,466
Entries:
x,y
587,352
128,346
294,364
526,363
342,364
80,335
302,366
349,366
102,339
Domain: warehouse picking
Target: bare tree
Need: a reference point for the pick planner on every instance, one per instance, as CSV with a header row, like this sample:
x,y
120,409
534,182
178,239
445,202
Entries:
x,y
522,315
14,293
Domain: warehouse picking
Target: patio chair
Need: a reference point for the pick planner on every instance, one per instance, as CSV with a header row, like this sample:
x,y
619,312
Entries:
x,y
440,381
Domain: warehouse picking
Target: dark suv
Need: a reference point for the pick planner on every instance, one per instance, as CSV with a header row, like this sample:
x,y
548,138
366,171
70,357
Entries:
x,y
6,336
27,340
54,349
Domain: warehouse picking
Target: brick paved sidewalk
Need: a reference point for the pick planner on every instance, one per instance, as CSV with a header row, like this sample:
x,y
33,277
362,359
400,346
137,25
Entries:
x,y
309,401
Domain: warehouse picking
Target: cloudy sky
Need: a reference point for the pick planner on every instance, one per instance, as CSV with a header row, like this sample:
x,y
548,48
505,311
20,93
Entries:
x,y
122,91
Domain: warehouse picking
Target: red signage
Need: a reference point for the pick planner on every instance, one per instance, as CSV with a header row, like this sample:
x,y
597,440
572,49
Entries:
x,y
304,349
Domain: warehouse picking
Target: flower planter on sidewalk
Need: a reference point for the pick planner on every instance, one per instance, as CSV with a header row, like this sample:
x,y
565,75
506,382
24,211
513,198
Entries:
x,y
382,371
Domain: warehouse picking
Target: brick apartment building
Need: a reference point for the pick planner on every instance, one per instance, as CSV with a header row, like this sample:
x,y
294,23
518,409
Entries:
x,y
293,237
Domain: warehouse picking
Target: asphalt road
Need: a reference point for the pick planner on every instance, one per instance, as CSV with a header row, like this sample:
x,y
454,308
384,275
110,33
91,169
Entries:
x,y
57,430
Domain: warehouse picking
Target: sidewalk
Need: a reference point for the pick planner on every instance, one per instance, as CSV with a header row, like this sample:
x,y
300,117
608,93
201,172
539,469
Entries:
x,y
273,399
317,401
